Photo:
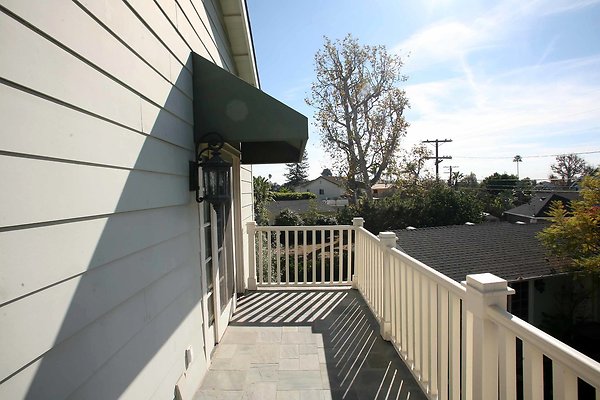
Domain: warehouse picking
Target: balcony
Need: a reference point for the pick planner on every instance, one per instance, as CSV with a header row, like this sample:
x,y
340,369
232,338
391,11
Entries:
x,y
424,331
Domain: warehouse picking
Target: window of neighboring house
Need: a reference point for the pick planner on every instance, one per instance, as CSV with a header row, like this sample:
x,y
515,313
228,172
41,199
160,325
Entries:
x,y
321,191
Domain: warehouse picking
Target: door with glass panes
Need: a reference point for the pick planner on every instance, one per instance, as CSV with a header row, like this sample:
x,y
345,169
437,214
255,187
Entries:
x,y
218,270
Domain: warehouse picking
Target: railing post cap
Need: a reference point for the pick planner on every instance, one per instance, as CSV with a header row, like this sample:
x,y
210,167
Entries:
x,y
486,282
388,239
358,221
387,235
251,223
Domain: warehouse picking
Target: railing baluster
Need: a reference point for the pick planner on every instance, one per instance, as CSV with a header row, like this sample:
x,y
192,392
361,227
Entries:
x,y
287,256
270,257
260,258
533,373
349,248
322,255
433,338
425,299
331,251
411,326
313,247
442,348
418,325
341,256
454,344
278,236
304,263
295,256
564,382
507,377
405,324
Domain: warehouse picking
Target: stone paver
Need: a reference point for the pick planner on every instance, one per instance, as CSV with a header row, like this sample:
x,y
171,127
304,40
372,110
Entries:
x,y
332,351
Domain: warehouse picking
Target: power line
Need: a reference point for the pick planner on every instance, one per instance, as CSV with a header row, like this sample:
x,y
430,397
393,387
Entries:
x,y
531,156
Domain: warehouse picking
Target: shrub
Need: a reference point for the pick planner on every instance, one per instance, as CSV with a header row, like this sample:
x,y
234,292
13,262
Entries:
x,y
283,196
288,218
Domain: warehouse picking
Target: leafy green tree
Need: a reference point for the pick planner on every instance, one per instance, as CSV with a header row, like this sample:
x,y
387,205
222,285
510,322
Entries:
x,y
469,181
497,183
359,109
288,217
262,196
297,173
426,204
576,237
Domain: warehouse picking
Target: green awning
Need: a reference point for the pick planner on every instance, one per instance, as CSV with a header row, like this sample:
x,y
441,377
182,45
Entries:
x,y
267,130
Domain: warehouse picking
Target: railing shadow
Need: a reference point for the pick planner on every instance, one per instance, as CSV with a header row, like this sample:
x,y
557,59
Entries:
x,y
357,361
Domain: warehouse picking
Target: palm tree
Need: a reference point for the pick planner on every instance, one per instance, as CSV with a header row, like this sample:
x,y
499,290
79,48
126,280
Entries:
x,y
517,159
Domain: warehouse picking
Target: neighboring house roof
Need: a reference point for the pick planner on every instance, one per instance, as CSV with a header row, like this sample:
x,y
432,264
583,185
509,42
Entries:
x,y
510,251
335,180
382,186
540,204
298,206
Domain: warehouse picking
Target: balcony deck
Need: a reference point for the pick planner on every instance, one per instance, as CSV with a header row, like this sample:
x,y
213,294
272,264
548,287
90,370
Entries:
x,y
306,344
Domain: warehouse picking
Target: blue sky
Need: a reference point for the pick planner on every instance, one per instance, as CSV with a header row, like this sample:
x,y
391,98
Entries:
x,y
499,78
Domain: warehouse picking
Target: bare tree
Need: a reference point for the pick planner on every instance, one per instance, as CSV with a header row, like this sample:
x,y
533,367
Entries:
x,y
359,109
569,167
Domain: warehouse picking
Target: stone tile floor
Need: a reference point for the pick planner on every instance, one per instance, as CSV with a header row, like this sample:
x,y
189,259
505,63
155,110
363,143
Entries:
x,y
306,345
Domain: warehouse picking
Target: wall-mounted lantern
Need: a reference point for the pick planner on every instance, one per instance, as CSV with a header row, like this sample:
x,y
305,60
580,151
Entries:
x,y
215,172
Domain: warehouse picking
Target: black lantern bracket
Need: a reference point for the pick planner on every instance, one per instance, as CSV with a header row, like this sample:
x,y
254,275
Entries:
x,y
215,171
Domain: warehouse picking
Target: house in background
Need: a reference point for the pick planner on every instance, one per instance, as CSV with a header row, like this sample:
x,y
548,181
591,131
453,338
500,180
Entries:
x,y
382,189
114,281
538,207
510,251
325,187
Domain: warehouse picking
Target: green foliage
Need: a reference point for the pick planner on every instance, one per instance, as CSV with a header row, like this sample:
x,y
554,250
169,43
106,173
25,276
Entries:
x,y
283,196
501,192
288,218
576,238
428,204
262,195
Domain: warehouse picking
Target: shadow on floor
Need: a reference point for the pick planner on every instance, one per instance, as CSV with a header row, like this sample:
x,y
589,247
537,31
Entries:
x,y
328,334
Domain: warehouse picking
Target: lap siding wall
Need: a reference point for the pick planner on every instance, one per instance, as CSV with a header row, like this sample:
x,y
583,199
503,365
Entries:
x,y
100,280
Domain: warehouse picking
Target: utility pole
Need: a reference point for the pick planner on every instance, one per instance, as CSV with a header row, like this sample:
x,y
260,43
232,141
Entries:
x,y
438,159
450,173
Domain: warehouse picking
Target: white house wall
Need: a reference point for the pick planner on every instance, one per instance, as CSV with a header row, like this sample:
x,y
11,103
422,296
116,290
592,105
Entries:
x,y
99,249
330,190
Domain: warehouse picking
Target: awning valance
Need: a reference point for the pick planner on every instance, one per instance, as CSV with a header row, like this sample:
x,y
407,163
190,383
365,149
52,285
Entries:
x,y
267,130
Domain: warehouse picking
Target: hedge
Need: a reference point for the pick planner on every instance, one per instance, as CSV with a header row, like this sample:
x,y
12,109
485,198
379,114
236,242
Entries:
x,y
278,196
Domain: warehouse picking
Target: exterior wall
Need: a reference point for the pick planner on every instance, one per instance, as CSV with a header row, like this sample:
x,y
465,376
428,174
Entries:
x,y
100,289
330,190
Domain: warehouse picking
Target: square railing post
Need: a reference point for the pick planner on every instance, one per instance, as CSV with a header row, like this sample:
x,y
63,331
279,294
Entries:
x,y
481,340
387,242
357,222
251,231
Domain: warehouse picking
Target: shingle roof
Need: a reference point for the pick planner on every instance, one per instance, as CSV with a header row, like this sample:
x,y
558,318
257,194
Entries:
x,y
333,179
510,251
540,204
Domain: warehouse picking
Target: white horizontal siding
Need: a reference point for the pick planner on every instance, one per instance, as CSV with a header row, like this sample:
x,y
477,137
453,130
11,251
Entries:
x,y
99,247
39,127
78,191
75,249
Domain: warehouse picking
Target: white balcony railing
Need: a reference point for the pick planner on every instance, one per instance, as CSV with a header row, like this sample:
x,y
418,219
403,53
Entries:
x,y
458,340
